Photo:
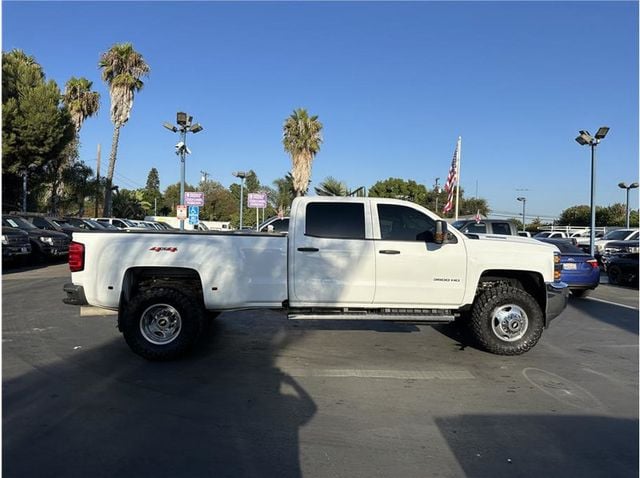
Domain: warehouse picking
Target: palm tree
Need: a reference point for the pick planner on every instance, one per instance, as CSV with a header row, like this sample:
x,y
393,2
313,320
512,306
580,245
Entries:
x,y
331,187
302,138
76,179
283,194
82,103
122,67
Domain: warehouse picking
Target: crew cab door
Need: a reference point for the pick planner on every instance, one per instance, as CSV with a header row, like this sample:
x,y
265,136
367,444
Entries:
x,y
331,261
410,267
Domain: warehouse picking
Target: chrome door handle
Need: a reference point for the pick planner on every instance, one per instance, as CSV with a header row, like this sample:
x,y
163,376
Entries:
x,y
389,251
308,249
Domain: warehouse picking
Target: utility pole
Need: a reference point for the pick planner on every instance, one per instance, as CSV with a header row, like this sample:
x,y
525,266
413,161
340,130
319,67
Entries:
x,y
97,182
204,177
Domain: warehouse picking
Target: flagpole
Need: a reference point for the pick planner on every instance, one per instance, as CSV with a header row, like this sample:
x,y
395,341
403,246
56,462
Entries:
x,y
458,181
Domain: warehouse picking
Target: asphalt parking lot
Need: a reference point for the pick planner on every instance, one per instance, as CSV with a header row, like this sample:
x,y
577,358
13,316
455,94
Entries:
x,y
264,396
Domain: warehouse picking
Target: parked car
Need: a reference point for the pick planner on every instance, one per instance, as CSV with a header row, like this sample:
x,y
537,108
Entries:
x,y
117,222
623,269
15,243
87,224
44,244
278,224
615,235
579,270
51,224
486,226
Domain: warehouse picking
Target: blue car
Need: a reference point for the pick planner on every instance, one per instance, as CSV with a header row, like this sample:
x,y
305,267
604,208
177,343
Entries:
x,y
579,270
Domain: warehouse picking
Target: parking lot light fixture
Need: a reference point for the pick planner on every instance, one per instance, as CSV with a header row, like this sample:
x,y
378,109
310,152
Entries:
x,y
184,126
524,218
628,188
241,175
585,139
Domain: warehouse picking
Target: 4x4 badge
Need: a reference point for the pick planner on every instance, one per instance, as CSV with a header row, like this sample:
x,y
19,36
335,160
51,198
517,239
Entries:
x,y
158,249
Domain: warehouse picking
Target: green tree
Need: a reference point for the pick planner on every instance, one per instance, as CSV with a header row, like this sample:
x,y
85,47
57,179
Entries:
x,y
122,70
130,204
331,187
302,139
36,128
283,194
219,203
82,103
398,188
171,198
78,185
472,205
152,192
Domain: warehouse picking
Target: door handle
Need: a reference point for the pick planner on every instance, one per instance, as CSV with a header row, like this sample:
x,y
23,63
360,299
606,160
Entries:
x,y
389,251
308,249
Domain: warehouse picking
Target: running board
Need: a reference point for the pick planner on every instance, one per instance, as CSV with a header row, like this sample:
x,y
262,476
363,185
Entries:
x,y
439,317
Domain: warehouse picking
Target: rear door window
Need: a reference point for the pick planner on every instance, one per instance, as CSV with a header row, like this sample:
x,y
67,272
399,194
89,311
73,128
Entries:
x,y
476,228
333,220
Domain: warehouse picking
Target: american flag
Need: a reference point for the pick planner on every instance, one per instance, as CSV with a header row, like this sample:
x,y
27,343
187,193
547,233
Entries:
x,y
452,179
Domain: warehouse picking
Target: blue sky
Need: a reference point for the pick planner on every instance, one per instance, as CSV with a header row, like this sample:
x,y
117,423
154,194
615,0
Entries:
x,y
393,83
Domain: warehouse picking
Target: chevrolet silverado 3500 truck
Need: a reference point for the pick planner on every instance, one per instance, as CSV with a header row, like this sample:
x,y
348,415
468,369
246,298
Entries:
x,y
343,258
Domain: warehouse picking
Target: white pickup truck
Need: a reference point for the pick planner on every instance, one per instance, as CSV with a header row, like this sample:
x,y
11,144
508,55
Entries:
x,y
343,258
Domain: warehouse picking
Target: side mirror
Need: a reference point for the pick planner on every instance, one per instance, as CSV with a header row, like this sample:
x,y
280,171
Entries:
x,y
441,232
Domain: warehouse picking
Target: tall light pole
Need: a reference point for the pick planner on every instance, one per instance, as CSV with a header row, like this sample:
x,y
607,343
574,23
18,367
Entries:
x,y
624,186
184,126
241,175
524,218
436,189
585,139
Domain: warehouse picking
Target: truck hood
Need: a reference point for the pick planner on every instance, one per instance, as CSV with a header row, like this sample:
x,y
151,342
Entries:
x,y
511,240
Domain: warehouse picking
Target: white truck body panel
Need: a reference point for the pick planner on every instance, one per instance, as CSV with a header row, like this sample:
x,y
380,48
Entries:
x,y
263,270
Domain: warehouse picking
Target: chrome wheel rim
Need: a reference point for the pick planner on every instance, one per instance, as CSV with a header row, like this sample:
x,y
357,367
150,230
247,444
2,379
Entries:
x,y
509,322
160,324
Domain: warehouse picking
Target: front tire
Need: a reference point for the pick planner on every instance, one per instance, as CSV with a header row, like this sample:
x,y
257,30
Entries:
x,y
506,320
162,323
614,273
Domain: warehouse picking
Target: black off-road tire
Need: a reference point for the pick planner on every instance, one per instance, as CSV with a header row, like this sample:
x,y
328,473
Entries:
x,y
191,317
483,317
614,273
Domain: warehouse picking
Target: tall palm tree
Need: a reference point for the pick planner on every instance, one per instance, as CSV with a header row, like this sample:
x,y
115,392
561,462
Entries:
x,y
81,102
331,187
122,67
302,138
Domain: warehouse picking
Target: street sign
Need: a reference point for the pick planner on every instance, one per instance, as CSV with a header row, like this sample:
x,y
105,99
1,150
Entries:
x,y
181,212
257,200
194,212
192,198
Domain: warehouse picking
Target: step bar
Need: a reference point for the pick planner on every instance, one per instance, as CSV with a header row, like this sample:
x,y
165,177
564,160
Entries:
x,y
435,316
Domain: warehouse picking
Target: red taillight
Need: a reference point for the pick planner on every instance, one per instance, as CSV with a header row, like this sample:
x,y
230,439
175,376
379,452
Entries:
x,y
593,263
76,256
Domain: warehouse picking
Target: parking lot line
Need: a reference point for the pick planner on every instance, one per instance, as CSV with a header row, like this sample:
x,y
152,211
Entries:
x,y
387,374
611,303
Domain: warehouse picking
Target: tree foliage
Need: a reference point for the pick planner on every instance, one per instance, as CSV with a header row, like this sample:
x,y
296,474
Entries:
x,y
130,204
612,215
331,187
36,128
302,139
122,69
400,189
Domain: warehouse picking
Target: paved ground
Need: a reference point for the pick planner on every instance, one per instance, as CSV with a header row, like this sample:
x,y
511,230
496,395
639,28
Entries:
x,y
267,397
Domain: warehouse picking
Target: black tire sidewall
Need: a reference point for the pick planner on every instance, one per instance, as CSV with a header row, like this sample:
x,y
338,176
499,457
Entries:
x,y
481,318
191,315
614,274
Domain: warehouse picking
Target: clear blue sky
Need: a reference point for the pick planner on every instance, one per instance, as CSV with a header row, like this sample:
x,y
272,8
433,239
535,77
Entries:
x,y
393,83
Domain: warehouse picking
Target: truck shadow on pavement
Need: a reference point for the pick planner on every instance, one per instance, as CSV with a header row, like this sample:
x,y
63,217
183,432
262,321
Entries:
x,y
226,411
542,445
610,314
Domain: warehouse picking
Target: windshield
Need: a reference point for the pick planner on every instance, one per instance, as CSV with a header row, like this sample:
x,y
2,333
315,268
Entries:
x,y
618,235
543,234
129,223
17,222
459,224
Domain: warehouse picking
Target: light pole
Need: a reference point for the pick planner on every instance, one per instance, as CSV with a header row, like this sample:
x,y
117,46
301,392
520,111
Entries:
x,y
436,188
184,126
524,218
25,174
624,186
241,175
585,139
